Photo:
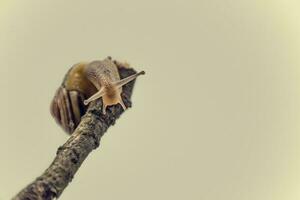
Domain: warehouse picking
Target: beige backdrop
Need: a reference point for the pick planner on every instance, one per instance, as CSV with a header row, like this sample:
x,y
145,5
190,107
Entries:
x,y
215,118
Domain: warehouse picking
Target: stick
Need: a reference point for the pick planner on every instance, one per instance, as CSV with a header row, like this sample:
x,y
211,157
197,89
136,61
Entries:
x,y
71,155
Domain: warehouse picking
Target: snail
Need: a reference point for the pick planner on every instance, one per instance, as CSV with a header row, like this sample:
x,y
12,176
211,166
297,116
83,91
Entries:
x,y
84,83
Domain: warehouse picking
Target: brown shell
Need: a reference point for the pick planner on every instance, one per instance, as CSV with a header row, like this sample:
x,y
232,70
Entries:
x,y
67,106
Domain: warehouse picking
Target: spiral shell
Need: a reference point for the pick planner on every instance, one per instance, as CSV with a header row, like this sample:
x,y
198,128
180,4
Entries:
x,y
67,106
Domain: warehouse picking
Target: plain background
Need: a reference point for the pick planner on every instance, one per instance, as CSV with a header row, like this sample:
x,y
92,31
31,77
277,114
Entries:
x,y
215,118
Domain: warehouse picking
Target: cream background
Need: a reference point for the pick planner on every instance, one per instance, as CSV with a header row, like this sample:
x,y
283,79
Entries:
x,y
215,118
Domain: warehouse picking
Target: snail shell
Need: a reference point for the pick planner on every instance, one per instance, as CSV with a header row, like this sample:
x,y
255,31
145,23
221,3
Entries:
x,y
84,83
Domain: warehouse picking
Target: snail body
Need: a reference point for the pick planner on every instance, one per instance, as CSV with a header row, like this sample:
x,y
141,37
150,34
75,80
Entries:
x,y
84,83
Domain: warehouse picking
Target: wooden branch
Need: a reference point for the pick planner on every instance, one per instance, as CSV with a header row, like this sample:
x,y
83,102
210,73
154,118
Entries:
x,y
71,155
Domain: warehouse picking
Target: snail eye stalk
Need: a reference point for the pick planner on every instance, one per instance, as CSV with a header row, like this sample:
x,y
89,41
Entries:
x,y
96,96
126,80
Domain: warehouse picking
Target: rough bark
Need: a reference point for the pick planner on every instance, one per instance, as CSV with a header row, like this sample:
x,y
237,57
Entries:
x,y
71,155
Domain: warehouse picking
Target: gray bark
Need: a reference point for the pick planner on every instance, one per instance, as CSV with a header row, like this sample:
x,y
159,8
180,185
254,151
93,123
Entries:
x,y
71,155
